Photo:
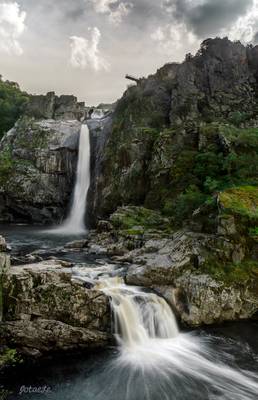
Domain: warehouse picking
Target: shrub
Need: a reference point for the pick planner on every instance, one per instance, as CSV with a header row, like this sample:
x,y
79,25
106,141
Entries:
x,y
187,202
12,102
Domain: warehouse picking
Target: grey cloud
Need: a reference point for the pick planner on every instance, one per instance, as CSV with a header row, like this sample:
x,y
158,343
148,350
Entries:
x,y
127,46
210,17
255,39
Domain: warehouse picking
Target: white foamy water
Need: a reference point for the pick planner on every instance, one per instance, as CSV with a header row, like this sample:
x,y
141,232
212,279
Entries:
x,y
139,316
156,362
75,224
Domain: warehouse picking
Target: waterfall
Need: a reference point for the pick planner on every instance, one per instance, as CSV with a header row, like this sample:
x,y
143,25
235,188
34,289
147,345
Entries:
x,y
157,362
139,316
74,224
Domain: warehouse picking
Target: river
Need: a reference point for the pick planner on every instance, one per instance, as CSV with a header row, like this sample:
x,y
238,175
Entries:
x,y
153,360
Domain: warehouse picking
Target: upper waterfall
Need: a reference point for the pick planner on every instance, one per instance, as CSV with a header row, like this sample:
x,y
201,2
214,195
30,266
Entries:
x,y
75,222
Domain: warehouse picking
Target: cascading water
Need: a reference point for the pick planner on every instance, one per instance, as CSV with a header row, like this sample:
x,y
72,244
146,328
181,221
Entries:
x,y
156,362
74,224
138,316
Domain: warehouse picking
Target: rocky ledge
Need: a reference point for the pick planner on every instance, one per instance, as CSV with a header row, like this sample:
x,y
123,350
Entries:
x,y
46,310
180,269
206,277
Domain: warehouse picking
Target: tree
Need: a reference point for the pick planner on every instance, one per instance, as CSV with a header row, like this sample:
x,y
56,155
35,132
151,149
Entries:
x,y
12,103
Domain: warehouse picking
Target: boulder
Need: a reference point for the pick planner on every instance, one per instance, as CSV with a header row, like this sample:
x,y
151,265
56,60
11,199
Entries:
x,y
45,309
206,278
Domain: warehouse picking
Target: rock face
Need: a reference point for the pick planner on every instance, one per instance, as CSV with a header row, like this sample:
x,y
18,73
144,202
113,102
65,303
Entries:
x,y
181,269
100,130
38,160
4,266
39,163
54,107
163,128
206,277
45,309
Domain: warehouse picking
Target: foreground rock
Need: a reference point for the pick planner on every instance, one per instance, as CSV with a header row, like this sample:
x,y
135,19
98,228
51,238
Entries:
x,y
181,270
46,310
206,277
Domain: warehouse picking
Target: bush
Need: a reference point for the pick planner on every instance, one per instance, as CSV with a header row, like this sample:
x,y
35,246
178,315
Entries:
x,y
187,202
12,102
237,118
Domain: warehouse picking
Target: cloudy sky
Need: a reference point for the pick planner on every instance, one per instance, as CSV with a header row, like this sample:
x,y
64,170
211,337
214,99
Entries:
x,y
85,47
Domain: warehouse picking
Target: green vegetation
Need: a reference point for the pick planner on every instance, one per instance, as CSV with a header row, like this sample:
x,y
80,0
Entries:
x,y
231,273
6,166
191,199
237,118
8,357
241,200
228,159
12,102
30,136
135,220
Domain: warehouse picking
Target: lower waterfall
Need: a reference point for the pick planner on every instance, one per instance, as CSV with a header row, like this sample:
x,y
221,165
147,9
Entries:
x,y
157,362
138,316
75,224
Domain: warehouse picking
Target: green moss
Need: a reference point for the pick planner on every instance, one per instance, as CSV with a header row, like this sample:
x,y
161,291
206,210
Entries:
x,y
237,118
135,220
29,135
231,273
154,132
137,231
209,130
7,166
253,232
246,137
9,357
241,201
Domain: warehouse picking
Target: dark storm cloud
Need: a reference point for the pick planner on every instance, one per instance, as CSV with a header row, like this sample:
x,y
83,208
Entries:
x,y
210,17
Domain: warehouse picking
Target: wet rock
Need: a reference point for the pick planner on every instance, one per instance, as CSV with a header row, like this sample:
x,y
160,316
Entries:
x,y
104,226
97,249
42,336
46,309
209,301
4,268
77,244
205,278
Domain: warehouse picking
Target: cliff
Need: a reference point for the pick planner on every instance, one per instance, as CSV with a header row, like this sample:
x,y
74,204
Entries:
x,y
184,133
38,158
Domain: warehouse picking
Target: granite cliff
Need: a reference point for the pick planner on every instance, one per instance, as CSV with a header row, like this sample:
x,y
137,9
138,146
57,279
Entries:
x,y
38,160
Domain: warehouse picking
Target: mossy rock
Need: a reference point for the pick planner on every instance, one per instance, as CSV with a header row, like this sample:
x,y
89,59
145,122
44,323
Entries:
x,y
136,220
9,357
242,201
232,273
